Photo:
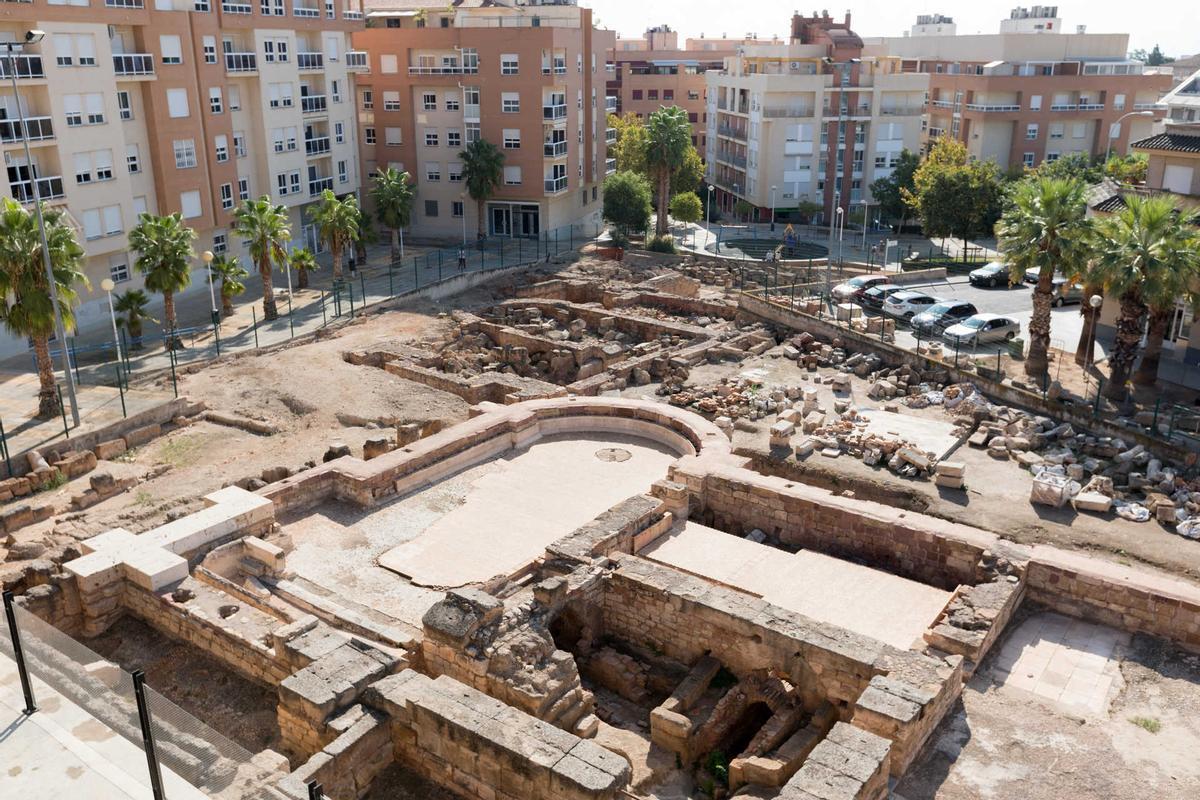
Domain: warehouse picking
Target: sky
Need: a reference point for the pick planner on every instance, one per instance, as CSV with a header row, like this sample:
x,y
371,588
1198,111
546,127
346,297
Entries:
x,y
1155,21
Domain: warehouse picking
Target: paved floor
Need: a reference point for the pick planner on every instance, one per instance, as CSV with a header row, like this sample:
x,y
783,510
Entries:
x,y
62,751
1067,661
935,435
868,601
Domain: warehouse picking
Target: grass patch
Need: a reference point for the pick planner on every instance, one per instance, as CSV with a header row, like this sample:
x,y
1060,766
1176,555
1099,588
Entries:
x,y
182,451
53,482
1151,724
144,498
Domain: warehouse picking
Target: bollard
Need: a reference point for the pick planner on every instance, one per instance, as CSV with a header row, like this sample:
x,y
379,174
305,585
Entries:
x,y
439,265
174,381
254,327
350,292
143,707
362,282
19,654
391,284
121,389
291,319
217,337
324,321
4,449
63,409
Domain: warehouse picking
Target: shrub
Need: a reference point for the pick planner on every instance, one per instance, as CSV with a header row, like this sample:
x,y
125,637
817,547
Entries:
x,y
661,244
627,202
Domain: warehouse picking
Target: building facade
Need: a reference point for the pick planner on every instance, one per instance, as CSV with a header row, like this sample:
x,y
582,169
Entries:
x,y
529,78
812,121
176,106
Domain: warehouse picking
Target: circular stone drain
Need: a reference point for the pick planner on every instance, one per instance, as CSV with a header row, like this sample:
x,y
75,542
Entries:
x,y
613,454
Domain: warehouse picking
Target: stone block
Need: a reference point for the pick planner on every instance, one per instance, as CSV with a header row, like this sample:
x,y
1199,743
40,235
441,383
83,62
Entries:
x,y
949,481
140,436
1092,501
951,468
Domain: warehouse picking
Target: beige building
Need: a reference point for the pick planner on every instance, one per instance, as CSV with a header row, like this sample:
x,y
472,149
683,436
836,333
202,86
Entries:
x,y
177,106
816,118
528,77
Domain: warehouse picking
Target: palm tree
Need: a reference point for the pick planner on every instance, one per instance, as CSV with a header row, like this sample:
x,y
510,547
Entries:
x,y
366,236
233,276
1176,282
1139,251
393,194
337,225
304,262
30,311
670,137
483,172
132,309
164,248
265,226
1045,228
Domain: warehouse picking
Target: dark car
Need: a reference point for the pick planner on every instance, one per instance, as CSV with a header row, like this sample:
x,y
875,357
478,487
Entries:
x,y
852,290
938,317
993,274
873,298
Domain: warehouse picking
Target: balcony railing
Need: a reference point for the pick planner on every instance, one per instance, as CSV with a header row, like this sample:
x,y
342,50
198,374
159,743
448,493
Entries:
x,y
471,111
900,111
610,166
310,60
25,66
1064,107
556,185
312,104
49,188
349,14
305,11
318,145
444,70
610,135
241,62
942,103
554,149
133,63
610,103
554,112
992,108
935,132
356,59
1136,106
36,129
733,133
730,158
236,8
315,187
787,112
124,3
1091,106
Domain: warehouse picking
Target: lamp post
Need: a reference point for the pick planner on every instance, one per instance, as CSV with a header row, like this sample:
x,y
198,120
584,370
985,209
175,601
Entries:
x,y
772,209
839,145
462,196
841,216
708,215
107,285
1095,301
866,204
1116,125
207,258
33,37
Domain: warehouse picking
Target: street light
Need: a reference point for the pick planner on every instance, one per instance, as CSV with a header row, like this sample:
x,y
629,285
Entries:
x,y
462,196
708,216
839,144
841,218
772,209
107,285
1116,125
866,204
207,258
1095,301
31,38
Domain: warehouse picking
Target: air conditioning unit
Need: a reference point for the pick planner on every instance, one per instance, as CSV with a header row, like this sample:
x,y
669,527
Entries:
x,y
795,66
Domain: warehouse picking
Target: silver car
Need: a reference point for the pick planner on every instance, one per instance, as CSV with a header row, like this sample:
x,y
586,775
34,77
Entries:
x,y
1066,292
982,328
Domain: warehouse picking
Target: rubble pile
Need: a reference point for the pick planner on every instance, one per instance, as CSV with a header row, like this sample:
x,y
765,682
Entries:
x,y
733,399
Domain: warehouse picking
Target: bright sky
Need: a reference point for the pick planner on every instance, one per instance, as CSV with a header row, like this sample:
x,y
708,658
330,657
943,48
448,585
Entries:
x,y
1147,21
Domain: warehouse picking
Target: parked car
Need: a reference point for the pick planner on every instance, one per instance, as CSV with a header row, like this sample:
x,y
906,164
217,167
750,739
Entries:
x,y
1066,292
994,274
852,290
874,297
940,316
982,328
908,303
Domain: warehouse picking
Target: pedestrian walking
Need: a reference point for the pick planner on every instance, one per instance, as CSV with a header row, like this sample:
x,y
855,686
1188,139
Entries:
x,y
462,259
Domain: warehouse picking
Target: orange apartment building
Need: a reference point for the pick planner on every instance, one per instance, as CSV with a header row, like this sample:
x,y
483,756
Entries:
x,y
529,78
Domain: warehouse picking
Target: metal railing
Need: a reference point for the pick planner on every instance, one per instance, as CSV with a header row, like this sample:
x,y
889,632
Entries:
x,y
993,107
610,135
312,103
351,14
36,129
1064,107
236,8
455,70
49,188
306,11
25,66
310,60
731,133
730,158
554,112
787,112
610,166
556,185
241,62
356,59
133,63
315,187
554,149
900,111
318,145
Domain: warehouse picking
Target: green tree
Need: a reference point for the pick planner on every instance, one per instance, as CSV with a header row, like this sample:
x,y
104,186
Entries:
x,y
337,223
1045,228
686,207
953,196
742,210
670,137
131,308
393,194
30,310
1156,58
1175,283
483,172
1130,168
265,226
1143,251
632,143
233,280
627,202
1077,166
164,248
303,262
889,191
690,174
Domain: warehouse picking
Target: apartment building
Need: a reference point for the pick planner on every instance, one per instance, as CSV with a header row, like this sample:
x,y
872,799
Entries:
x,y
815,120
528,77
176,106
650,71
1032,95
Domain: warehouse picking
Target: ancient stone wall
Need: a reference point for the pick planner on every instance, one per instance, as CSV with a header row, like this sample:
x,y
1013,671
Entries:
x,y
346,766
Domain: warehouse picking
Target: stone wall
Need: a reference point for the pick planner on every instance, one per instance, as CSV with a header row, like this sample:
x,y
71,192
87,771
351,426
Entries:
x,y
347,765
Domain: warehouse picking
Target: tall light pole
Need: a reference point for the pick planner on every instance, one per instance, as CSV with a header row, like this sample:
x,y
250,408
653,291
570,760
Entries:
x,y
838,146
841,215
772,209
866,212
31,38
107,285
1115,125
207,258
462,196
708,216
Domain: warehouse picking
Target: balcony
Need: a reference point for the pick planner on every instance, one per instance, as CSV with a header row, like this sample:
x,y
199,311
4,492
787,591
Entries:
x,y
124,4
554,112
1136,106
316,146
315,187
941,103
1091,106
610,166
730,158
310,60
356,59
787,112
37,129
133,63
49,188
992,108
1064,107
241,62
731,133
556,185
312,104
936,132
554,149
610,103
353,15
901,111
25,66
305,12
236,8
610,135
444,70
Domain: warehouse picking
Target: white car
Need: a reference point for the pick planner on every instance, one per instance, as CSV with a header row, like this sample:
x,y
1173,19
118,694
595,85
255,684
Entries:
x,y
909,303
982,328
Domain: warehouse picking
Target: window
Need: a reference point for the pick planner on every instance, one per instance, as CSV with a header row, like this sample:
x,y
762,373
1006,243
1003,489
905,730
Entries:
x,y
452,102
652,94
202,6
431,137
210,49
1035,102
172,49
1078,130
637,94
118,269
1027,160
512,176
510,103
1031,131
221,147
429,101
368,99
101,222
74,49
226,196
335,90
235,98
92,224
453,138
177,103
509,64
369,135
473,133
139,206
693,94
454,172
185,153
73,106
239,144
124,105
512,138
220,242
343,173
93,104
391,136
339,132
456,209
281,184
431,208
280,95
1051,157
133,159
433,171
243,188
1119,102
668,94
391,101
83,168
294,181
215,104
692,118
388,64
